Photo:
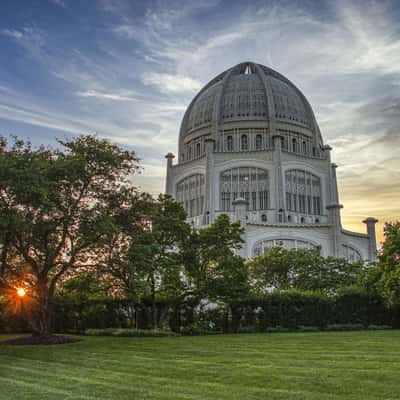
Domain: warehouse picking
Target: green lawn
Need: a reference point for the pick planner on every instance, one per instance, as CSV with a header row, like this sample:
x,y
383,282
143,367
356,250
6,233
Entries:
x,y
338,365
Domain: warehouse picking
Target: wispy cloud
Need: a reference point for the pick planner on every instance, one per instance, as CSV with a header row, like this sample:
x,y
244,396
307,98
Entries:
x,y
132,75
171,83
124,96
59,3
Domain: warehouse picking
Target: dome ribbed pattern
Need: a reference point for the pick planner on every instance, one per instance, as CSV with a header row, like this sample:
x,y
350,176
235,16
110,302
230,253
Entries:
x,y
251,92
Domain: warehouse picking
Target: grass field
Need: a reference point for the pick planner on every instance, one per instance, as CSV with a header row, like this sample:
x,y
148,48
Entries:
x,y
337,365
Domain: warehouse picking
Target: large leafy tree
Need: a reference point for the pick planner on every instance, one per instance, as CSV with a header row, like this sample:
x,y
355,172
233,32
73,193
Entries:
x,y
209,260
54,212
285,269
144,253
388,266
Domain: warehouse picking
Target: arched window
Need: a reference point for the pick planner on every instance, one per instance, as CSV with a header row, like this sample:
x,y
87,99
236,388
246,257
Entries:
x,y
258,142
303,192
190,152
289,218
229,143
190,194
351,254
198,150
304,147
264,246
244,142
280,215
264,218
249,183
294,145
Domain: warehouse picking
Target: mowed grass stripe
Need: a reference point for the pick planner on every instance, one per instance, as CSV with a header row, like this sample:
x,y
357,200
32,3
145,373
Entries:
x,y
239,366
115,389
253,369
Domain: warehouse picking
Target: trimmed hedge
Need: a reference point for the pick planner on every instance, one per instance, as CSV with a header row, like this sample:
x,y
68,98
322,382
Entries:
x,y
117,332
289,310
275,311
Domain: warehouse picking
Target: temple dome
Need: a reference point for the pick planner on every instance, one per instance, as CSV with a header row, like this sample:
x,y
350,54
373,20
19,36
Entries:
x,y
251,93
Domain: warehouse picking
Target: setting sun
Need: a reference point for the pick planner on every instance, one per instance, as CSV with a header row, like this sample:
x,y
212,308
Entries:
x,y
21,292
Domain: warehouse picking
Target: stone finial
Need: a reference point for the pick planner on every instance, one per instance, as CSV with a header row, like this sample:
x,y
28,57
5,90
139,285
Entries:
x,y
370,220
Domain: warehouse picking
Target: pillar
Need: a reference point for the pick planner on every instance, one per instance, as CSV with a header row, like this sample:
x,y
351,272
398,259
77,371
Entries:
x,y
240,214
371,222
209,206
279,186
168,182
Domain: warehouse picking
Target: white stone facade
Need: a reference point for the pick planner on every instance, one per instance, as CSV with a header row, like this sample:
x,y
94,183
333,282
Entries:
x,y
250,147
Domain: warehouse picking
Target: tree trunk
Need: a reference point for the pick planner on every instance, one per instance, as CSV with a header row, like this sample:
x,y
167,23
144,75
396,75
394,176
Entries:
x,y
41,320
153,301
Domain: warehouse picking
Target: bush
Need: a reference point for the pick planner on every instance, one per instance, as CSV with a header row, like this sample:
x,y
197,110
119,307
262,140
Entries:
x,y
247,329
277,329
118,332
308,329
378,327
345,327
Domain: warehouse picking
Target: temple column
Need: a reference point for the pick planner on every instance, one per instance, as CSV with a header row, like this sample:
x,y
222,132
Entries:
x,y
168,181
279,186
371,222
240,214
209,206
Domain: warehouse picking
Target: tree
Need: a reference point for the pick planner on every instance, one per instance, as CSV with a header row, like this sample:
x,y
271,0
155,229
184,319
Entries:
x,y
144,252
207,252
285,269
54,212
389,264
228,280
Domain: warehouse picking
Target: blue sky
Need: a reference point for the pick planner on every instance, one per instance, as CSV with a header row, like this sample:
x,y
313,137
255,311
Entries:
x,y
127,69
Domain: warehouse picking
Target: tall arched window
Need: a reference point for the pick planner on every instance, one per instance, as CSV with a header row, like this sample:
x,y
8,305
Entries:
x,y
303,192
264,246
244,142
294,145
229,143
198,149
190,194
258,142
304,147
248,183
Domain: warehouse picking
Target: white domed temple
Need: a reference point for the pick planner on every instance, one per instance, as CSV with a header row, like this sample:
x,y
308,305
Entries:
x,y
250,147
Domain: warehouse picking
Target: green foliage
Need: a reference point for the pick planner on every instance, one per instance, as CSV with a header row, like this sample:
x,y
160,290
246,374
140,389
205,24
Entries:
x,y
228,280
54,212
208,259
284,269
118,332
389,264
345,327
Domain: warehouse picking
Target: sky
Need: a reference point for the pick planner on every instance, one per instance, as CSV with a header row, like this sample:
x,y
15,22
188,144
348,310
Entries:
x,y
127,69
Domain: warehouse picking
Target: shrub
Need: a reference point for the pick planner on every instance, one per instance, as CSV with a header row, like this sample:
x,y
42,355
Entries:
x,y
378,327
345,327
308,329
247,329
277,329
118,332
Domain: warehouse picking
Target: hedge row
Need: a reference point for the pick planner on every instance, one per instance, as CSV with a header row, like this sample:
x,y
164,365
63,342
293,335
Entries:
x,y
276,310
